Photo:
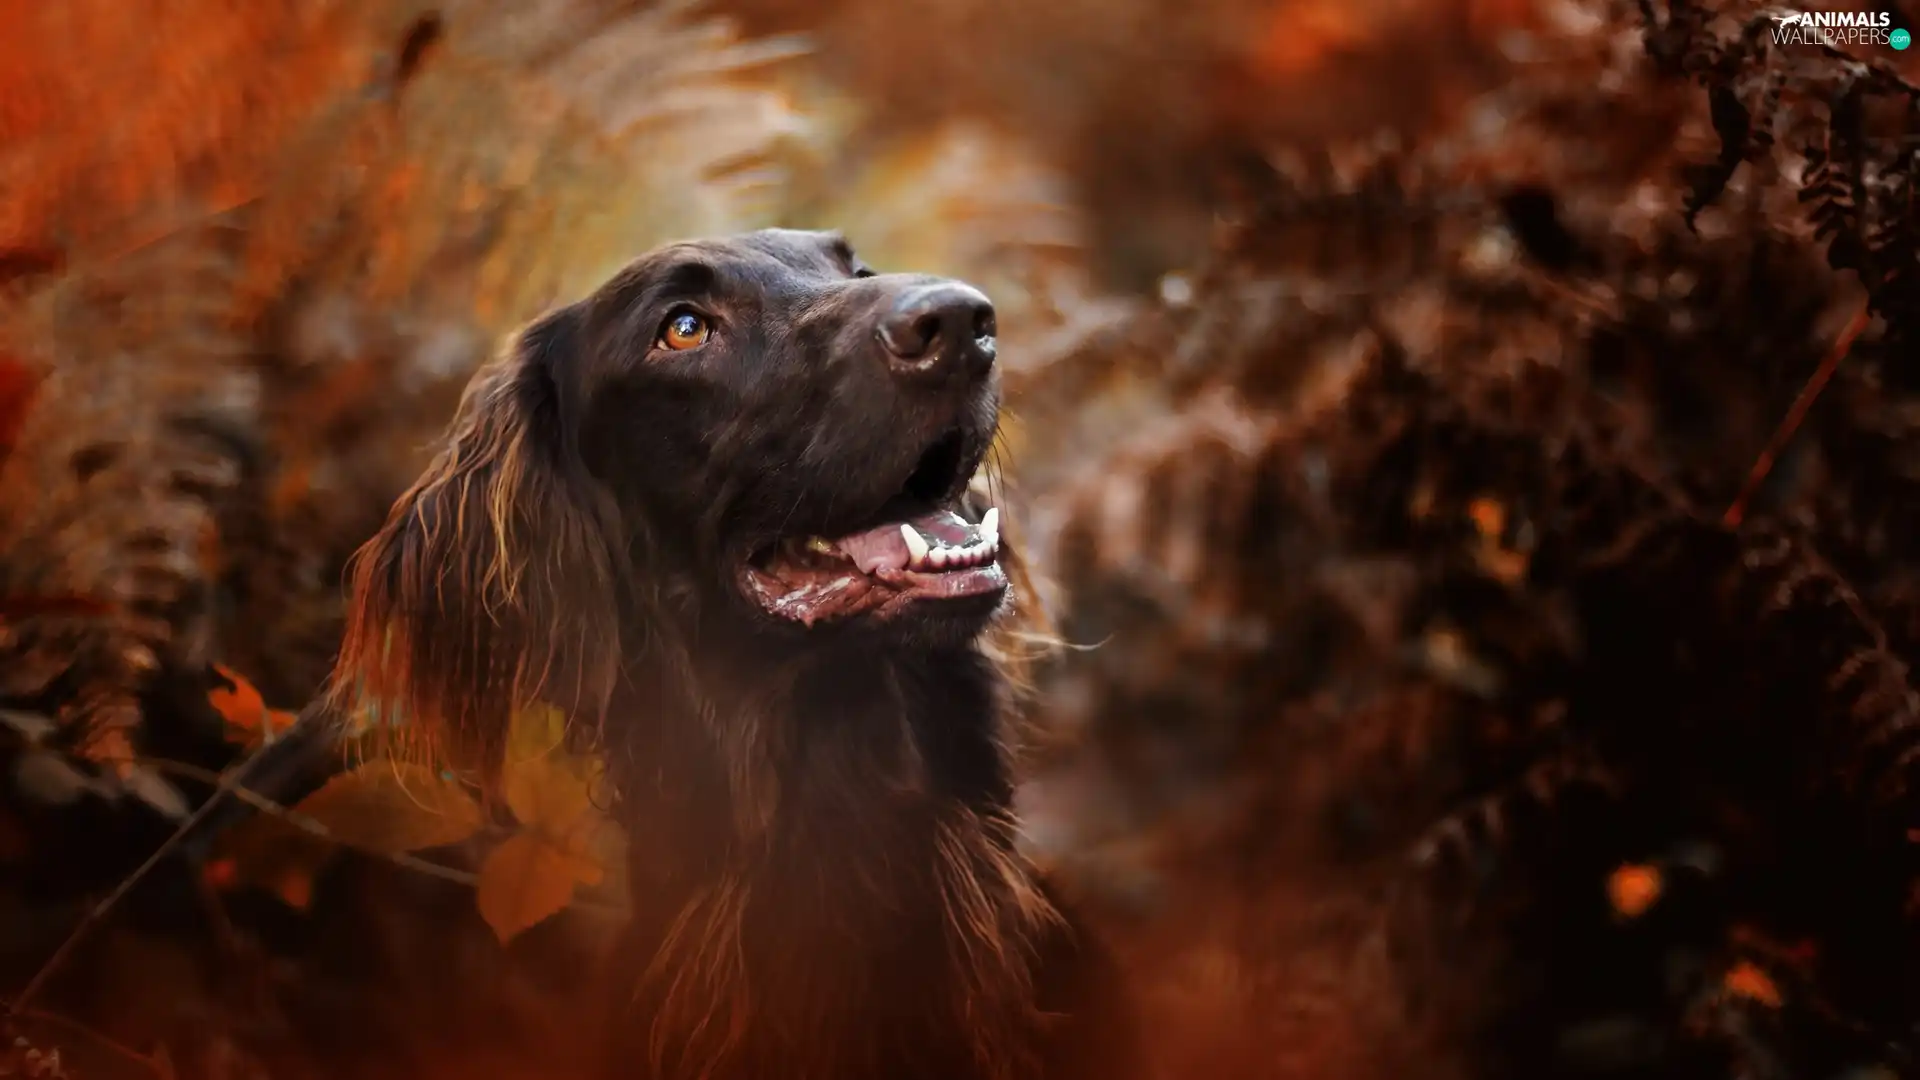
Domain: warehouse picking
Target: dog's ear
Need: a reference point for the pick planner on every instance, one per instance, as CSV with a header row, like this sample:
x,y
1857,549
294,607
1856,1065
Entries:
x,y
494,581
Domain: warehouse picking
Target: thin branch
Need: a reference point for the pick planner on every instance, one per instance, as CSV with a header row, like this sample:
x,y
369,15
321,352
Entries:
x,y
299,820
229,782
1783,434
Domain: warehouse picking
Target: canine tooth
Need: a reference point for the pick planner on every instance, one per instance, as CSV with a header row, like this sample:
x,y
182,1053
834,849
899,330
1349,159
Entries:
x,y
916,545
990,526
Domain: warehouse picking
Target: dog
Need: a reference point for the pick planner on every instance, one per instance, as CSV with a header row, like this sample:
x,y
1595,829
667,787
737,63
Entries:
x,y
717,511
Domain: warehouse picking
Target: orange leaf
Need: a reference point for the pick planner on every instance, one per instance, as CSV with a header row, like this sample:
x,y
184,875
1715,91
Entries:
x,y
1633,889
1745,980
547,787
241,707
527,880
389,806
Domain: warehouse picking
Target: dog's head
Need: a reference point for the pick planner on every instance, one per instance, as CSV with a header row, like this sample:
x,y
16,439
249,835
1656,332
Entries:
x,y
796,430
758,436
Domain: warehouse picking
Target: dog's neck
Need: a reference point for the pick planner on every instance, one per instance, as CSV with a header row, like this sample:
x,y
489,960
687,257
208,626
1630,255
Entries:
x,y
824,867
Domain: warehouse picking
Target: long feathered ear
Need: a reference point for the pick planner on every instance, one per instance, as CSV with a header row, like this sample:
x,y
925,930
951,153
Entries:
x,y
494,581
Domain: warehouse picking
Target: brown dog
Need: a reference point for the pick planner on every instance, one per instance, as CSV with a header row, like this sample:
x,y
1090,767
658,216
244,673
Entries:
x,y
717,511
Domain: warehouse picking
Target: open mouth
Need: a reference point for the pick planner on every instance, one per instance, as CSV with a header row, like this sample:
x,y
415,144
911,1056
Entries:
x,y
920,549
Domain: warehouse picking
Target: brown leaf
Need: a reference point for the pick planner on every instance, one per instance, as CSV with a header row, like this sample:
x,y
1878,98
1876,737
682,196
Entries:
x,y
526,880
547,794
547,788
390,807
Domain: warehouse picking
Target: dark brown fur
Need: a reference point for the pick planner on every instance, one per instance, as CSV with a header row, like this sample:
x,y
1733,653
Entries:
x,y
824,871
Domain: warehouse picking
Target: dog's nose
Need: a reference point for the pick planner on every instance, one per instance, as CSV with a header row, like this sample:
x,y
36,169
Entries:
x,y
940,327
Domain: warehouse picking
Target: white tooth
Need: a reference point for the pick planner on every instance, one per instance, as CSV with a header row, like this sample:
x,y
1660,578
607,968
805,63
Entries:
x,y
990,526
916,545
938,559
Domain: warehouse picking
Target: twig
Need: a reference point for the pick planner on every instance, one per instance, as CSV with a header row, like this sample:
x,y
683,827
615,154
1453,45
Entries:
x,y
230,782
301,821
314,828
229,785
1783,434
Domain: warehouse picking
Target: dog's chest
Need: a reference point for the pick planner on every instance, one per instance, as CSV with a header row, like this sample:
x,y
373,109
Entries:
x,y
847,952
797,975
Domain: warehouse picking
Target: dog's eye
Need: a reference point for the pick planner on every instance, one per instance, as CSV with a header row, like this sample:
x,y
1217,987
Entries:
x,y
685,330
863,271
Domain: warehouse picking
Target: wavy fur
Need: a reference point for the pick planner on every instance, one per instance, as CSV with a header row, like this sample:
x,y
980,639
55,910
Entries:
x,y
823,861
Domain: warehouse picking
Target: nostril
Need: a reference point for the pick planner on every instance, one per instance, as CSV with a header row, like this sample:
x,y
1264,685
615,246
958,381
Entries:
x,y
926,331
984,324
907,338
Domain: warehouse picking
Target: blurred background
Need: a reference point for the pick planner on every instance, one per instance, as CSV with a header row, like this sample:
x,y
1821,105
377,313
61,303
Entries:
x,y
1468,448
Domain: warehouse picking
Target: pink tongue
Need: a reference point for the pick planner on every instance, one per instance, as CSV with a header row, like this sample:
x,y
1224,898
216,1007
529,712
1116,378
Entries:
x,y
883,548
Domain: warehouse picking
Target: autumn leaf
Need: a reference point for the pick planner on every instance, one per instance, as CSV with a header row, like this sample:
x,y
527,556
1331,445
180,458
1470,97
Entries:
x,y
269,853
538,731
1746,980
1495,557
1633,889
527,880
549,789
248,720
390,807
565,841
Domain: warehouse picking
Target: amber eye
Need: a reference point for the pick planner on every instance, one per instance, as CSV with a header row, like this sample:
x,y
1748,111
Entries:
x,y
685,330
